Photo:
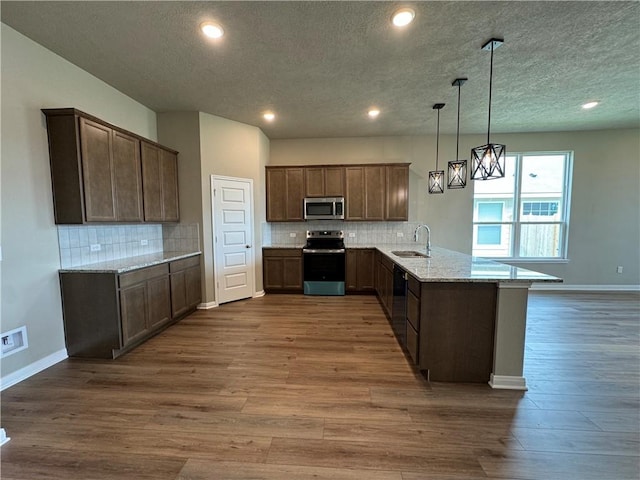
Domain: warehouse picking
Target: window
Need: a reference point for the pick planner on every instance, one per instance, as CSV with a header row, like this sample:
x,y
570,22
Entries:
x,y
525,214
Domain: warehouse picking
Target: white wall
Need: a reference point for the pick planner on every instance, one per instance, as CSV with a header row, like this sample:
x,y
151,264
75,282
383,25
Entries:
x,y
231,149
605,208
35,78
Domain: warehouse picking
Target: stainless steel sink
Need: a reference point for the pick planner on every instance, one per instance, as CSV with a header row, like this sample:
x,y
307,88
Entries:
x,y
409,254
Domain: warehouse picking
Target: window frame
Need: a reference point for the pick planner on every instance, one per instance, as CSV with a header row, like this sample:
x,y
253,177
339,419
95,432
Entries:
x,y
516,223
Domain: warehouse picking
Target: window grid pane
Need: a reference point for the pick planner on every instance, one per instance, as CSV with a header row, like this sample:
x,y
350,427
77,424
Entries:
x,y
538,185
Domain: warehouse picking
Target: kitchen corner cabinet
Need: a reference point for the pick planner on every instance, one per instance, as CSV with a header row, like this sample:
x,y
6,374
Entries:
x,y
282,270
324,181
97,171
107,314
285,193
360,267
160,184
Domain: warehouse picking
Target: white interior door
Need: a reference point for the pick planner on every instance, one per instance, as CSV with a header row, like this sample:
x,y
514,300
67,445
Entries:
x,y
232,209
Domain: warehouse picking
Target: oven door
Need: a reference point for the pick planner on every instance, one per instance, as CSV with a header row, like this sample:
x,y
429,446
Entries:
x,y
324,271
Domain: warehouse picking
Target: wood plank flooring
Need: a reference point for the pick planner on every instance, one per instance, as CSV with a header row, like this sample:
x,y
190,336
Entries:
x,y
298,387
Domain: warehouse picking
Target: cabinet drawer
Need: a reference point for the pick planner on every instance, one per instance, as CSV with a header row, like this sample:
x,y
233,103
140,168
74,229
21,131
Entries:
x,y
137,276
413,310
414,285
412,343
184,263
281,252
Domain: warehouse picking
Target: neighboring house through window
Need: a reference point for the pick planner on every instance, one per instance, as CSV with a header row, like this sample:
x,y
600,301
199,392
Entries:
x,y
524,215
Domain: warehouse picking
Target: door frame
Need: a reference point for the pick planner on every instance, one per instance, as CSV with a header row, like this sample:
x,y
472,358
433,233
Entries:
x,y
252,255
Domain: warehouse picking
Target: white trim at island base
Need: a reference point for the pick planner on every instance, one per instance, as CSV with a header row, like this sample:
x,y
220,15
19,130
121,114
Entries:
x,y
33,368
507,382
207,305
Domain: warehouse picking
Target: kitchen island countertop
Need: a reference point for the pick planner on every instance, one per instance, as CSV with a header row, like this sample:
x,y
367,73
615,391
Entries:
x,y
450,266
123,265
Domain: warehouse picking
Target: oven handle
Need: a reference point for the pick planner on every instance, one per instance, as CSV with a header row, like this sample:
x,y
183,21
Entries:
x,y
323,250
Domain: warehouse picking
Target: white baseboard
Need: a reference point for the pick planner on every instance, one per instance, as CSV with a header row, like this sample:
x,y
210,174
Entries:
x,y
258,294
36,367
561,287
508,382
3,437
207,305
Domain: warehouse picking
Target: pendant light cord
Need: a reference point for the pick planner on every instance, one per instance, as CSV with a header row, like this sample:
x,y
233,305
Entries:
x,y
490,82
437,138
458,128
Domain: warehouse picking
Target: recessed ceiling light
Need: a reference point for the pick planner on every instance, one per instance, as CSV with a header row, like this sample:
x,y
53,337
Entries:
x,y
269,116
212,30
589,105
403,17
373,112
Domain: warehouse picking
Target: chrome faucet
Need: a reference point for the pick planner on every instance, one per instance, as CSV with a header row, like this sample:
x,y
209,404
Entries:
x,y
415,237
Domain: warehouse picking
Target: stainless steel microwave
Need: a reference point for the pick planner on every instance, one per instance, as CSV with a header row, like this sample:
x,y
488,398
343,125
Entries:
x,y
325,208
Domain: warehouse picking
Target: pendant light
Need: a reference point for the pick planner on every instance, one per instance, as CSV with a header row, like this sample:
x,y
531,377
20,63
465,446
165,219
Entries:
x,y
487,161
457,171
436,177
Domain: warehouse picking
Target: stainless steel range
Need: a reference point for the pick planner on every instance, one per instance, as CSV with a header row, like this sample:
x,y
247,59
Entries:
x,y
324,262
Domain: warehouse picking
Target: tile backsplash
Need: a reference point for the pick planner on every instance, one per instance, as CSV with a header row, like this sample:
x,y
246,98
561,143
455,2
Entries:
x,y
82,245
355,233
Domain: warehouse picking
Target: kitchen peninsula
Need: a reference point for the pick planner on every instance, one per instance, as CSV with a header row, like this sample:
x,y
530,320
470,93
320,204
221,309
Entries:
x,y
459,318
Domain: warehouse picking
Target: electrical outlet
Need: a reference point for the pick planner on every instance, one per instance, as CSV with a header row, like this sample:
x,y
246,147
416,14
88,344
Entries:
x,y
95,247
293,234
619,269
144,242
399,234
352,234
7,341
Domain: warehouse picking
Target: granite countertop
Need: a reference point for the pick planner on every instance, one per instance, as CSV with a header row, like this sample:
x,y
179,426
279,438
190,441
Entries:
x,y
449,266
122,265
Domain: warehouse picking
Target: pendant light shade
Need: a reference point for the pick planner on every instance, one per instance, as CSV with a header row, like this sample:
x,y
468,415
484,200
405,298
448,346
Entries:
x,y
487,161
436,177
457,171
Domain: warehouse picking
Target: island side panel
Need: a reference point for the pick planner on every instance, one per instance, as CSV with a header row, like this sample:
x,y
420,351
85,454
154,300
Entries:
x,y
511,323
457,330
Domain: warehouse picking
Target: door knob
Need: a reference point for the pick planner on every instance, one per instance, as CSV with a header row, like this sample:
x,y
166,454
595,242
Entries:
x,y
248,246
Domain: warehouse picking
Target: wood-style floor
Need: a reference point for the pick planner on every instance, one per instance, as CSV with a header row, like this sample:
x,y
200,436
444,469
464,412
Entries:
x,y
298,387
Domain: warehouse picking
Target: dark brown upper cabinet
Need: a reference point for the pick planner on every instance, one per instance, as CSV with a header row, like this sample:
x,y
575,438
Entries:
x,y
96,171
285,194
160,184
397,192
324,181
365,199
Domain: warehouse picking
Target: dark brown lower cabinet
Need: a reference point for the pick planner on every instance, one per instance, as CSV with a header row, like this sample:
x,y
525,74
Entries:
x,y
282,270
360,268
384,282
186,291
108,314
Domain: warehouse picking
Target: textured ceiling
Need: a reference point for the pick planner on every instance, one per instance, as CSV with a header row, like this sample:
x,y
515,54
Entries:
x,y
321,65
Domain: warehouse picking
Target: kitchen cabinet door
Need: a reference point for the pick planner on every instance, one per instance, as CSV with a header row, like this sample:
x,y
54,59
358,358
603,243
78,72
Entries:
x,y
127,171
360,267
285,194
324,181
97,171
158,301
169,178
397,192
160,184
374,201
133,313
355,193
314,185
185,285
282,270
